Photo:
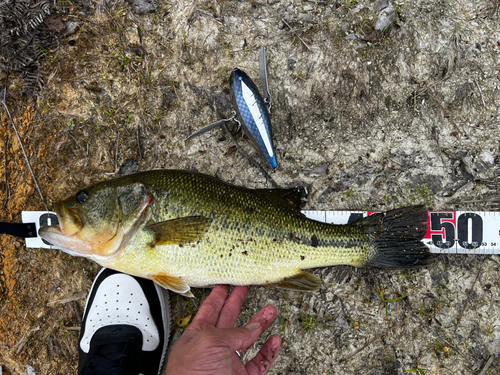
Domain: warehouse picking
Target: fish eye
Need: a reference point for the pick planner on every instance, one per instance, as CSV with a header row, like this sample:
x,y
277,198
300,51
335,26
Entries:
x,y
82,196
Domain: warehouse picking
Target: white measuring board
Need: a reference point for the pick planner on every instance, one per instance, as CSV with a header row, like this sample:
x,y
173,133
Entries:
x,y
450,232
41,219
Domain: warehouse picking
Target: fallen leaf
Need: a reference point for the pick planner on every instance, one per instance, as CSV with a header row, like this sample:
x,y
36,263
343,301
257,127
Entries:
x,y
182,322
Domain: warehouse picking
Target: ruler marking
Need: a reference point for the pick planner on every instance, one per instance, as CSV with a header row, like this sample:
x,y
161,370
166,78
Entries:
x,y
465,232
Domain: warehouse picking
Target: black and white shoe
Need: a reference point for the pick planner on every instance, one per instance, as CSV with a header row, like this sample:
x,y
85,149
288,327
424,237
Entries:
x,y
125,326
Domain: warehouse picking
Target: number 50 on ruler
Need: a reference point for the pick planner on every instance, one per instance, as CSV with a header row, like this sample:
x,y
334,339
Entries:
x,y
462,232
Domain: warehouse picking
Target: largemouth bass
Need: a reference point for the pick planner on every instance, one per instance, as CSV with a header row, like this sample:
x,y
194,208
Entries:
x,y
183,229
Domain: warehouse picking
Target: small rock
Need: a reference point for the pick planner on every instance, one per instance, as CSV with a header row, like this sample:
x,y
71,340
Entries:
x,y
344,26
71,27
341,322
29,370
54,24
385,18
144,6
130,166
381,4
487,157
308,18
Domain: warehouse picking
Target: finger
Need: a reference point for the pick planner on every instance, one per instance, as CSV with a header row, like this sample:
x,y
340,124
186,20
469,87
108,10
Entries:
x,y
265,317
209,311
237,338
265,357
231,310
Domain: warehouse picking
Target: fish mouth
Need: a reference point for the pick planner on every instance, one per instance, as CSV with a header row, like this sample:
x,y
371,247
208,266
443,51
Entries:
x,y
55,235
76,246
65,235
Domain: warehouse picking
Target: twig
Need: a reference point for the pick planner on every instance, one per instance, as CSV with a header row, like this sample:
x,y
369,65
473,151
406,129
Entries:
x,y
116,152
74,139
488,364
210,15
480,92
297,35
24,339
468,297
126,104
139,142
249,158
315,108
492,198
375,339
24,152
192,10
75,328
446,113
417,316
72,298
4,102
290,119
7,190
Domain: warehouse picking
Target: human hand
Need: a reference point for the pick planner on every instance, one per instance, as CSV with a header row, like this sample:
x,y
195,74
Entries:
x,y
209,344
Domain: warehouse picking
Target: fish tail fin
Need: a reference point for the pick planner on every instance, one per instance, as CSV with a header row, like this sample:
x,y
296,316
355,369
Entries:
x,y
397,238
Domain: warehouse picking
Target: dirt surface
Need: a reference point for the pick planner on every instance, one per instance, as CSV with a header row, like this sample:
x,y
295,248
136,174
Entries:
x,y
365,118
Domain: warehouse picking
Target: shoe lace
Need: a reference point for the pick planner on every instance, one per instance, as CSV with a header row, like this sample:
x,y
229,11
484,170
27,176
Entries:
x,y
113,356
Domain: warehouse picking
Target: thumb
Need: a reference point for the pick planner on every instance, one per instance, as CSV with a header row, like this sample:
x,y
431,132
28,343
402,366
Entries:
x,y
242,338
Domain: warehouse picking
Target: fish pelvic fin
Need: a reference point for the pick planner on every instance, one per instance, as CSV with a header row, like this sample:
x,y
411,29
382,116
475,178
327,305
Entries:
x,y
175,284
302,281
179,231
397,238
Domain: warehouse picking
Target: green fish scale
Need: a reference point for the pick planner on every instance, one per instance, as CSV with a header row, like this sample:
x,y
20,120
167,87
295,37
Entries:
x,y
254,237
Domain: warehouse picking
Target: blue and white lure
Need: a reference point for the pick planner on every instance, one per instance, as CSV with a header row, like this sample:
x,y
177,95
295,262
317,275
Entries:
x,y
252,110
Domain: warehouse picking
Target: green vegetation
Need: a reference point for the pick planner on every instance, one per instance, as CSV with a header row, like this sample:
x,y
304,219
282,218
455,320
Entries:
x,y
419,370
308,321
387,301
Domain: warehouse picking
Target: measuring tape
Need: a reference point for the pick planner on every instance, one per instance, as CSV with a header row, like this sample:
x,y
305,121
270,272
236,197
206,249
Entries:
x,y
450,232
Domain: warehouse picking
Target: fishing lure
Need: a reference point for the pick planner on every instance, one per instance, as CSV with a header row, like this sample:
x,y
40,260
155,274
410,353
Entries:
x,y
251,110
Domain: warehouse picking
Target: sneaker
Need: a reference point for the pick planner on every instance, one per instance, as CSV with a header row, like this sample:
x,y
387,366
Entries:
x,y
125,328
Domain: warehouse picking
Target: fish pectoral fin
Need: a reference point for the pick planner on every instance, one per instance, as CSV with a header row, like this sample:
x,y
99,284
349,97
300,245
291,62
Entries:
x,y
175,284
303,281
179,231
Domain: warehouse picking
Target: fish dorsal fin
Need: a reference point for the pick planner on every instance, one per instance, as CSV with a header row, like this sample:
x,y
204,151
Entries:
x,y
294,197
302,281
179,231
175,284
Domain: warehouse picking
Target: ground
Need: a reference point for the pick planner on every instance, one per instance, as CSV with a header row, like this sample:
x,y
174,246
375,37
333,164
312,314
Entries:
x,y
364,118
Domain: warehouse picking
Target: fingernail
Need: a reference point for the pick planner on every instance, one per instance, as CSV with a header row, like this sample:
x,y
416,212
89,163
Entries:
x,y
253,326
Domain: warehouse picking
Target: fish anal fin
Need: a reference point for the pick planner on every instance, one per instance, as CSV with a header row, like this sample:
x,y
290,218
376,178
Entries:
x,y
302,281
175,284
183,230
